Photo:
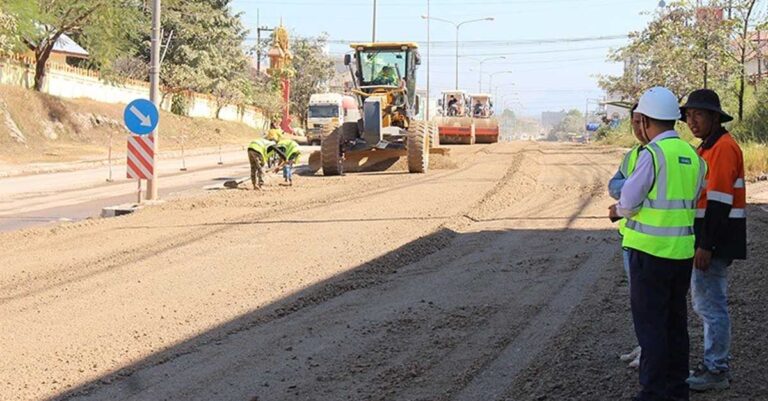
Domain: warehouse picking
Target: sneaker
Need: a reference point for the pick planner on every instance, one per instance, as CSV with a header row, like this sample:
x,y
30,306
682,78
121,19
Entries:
x,y
702,379
635,364
630,356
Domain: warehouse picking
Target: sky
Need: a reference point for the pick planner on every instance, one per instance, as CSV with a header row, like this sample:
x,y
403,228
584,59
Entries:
x,y
553,49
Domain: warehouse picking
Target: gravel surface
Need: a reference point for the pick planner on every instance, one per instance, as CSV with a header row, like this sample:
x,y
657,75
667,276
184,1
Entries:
x,y
496,279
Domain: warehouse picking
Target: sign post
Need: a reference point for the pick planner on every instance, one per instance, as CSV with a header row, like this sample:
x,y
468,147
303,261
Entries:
x,y
141,118
154,90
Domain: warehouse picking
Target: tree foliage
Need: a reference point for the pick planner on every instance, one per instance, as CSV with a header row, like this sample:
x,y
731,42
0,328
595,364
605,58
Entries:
x,y
266,97
204,49
104,27
674,50
16,23
313,69
573,123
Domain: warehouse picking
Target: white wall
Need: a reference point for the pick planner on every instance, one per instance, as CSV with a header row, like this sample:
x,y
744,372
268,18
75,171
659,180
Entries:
x,y
73,83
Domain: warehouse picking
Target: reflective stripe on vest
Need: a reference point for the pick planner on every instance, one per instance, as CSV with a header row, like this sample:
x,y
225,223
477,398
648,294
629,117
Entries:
x,y
290,148
630,161
627,167
735,214
664,225
261,146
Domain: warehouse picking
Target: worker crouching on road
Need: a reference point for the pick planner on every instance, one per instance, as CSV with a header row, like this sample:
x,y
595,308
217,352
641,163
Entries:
x,y
615,185
289,153
659,201
259,152
721,234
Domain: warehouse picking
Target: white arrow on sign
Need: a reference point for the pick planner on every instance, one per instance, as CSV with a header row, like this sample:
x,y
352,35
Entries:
x,y
146,121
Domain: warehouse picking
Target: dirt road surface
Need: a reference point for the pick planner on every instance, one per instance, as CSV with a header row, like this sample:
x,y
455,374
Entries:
x,y
479,282
39,199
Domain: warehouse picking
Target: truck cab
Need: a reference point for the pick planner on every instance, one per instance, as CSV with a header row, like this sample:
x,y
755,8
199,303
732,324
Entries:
x,y
329,109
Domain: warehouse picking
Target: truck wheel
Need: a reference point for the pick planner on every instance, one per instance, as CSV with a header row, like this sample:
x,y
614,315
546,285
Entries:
x,y
418,148
331,153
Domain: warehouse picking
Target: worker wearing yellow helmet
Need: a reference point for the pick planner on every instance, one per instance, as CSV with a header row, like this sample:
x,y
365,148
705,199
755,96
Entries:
x,y
274,134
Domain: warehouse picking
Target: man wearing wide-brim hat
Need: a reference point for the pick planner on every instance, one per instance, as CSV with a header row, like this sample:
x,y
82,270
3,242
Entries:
x,y
721,234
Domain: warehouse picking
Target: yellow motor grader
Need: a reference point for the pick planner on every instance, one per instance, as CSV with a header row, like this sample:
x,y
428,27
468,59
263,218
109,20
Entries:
x,y
384,79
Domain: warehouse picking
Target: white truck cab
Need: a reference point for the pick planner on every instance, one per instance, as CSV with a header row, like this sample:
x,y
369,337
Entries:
x,y
329,108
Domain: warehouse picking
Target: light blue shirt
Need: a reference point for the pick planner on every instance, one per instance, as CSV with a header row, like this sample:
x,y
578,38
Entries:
x,y
616,184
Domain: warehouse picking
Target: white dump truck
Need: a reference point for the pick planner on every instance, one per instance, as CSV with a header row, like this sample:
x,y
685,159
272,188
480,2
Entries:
x,y
327,111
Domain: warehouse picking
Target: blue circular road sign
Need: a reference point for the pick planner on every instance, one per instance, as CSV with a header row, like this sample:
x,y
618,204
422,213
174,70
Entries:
x,y
141,117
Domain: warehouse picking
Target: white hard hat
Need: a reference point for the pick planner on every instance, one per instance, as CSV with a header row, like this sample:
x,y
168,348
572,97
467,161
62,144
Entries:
x,y
659,103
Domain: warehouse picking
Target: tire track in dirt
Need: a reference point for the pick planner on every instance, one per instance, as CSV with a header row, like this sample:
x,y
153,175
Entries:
x,y
366,277
128,256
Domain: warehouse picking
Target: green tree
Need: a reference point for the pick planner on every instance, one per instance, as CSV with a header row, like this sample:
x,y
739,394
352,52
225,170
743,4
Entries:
x,y
573,123
744,11
16,22
676,50
104,26
204,52
265,97
313,69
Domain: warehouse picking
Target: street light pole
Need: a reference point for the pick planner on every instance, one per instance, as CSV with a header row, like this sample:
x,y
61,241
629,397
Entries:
x,y
374,21
429,46
490,79
154,96
458,27
480,70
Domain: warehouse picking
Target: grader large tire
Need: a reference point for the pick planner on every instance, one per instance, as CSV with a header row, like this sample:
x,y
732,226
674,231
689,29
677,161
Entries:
x,y
418,148
434,135
331,154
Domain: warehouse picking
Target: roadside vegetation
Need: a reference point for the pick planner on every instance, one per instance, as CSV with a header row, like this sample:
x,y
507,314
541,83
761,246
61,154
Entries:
x,y
686,48
206,49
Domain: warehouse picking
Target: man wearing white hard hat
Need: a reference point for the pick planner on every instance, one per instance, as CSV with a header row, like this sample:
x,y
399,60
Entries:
x,y
659,202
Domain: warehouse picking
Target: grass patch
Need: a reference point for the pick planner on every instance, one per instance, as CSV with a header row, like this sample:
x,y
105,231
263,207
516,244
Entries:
x,y
755,159
755,154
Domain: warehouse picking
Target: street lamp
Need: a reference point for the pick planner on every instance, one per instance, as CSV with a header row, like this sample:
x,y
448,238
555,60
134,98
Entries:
x,y
495,89
458,25
490,80
480,68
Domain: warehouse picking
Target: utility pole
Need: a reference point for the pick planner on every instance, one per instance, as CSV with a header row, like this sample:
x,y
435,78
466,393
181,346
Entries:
x,y
374,21
259,30
154,97
429,46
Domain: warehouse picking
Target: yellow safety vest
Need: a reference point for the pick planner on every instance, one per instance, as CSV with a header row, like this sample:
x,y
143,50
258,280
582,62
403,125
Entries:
x,y
627,168
664,225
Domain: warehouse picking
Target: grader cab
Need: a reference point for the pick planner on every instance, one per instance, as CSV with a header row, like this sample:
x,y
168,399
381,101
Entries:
x,y
384,77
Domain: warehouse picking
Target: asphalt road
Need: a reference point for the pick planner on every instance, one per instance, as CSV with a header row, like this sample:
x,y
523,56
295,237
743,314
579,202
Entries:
x,y
34,200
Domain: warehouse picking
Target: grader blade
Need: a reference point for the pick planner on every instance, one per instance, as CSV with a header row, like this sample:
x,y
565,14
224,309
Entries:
x,y
375,160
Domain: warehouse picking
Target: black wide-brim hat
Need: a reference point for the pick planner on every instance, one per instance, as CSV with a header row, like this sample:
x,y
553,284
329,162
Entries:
x,y
705,99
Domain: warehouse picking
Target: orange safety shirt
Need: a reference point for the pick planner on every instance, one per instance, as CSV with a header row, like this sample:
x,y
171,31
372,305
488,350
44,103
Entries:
x,y
721,211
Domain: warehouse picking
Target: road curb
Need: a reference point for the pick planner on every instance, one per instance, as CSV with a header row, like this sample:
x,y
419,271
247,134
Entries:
x,y
127,208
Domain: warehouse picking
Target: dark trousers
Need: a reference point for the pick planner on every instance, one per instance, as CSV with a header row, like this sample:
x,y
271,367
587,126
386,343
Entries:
x,y
660,313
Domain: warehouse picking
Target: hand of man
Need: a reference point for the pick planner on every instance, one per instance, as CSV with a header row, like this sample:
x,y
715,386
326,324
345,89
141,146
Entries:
x,y
613,214
702,259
